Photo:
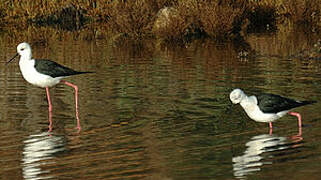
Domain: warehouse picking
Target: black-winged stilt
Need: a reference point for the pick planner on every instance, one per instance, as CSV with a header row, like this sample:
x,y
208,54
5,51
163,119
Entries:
x,y
267,107
44,73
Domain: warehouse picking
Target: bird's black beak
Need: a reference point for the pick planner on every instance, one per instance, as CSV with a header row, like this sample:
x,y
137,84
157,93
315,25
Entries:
x,y
12,59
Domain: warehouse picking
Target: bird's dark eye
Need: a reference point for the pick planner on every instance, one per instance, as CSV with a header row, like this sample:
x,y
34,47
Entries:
x,y
22,49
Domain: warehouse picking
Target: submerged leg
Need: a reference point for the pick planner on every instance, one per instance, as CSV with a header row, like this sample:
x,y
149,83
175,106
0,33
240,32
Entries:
x,y
50,121
76,100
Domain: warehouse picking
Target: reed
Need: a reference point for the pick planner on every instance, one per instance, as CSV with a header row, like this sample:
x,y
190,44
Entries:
x,y
219,20
303,12
165,19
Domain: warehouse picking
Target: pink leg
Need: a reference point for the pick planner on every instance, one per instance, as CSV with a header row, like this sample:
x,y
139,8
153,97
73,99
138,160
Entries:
x,y
298,116
49,101
300,131
50,110
271,128
270,123
299,121
76,99
50,121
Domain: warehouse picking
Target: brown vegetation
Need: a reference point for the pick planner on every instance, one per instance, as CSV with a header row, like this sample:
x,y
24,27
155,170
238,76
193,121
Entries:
x,y
304,12
165,19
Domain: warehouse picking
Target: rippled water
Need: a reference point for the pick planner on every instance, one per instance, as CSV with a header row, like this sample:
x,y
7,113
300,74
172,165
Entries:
x,y
159,113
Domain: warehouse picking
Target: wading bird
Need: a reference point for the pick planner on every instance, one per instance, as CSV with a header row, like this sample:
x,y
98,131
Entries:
x,y
267,107
44,73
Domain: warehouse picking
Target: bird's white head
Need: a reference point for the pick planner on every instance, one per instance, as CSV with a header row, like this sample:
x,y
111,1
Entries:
x,y
24,50
237,95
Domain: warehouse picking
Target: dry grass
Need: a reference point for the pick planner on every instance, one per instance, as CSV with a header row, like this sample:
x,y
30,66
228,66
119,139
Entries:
x,y
166,19
134,18
306,12
218,21
197,18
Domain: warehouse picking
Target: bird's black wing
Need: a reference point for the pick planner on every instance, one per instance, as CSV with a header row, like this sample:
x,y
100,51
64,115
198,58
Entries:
x,y
54,69
271,103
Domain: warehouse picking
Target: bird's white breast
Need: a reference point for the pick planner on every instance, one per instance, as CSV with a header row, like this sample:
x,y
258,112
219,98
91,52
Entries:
x,y
253,111
31,75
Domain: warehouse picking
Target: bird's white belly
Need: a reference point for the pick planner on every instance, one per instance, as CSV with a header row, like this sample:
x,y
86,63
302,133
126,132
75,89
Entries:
x,y
253,111
30,74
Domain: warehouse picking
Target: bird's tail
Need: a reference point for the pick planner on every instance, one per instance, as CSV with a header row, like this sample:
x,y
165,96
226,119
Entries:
x,y
84,72
307,102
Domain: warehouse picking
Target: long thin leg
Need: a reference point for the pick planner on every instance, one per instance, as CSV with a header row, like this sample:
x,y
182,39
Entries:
x,y
50,121
50,110
298,116
271,128
49,101
270,123
76,100
299,121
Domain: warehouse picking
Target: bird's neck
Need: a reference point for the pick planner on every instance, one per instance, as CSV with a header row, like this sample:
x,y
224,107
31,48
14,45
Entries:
x,y
26,57
244,100
26,62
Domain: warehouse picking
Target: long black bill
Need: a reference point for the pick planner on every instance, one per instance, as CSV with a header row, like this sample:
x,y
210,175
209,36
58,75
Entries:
x,y
12,59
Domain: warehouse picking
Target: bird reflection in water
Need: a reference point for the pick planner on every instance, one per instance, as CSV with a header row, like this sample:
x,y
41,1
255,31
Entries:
x,y
39,150
252,159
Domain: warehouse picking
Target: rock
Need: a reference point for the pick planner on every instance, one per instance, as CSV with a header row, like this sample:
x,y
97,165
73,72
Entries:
x,y
163,18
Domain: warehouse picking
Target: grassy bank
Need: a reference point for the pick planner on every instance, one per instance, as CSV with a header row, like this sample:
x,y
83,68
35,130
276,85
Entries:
x,y
165,19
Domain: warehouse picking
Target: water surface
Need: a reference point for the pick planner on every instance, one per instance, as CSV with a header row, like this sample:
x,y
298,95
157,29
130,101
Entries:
x,y
160,112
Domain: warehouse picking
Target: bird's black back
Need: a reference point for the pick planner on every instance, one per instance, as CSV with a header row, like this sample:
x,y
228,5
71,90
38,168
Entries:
x,y
271,103
54,69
